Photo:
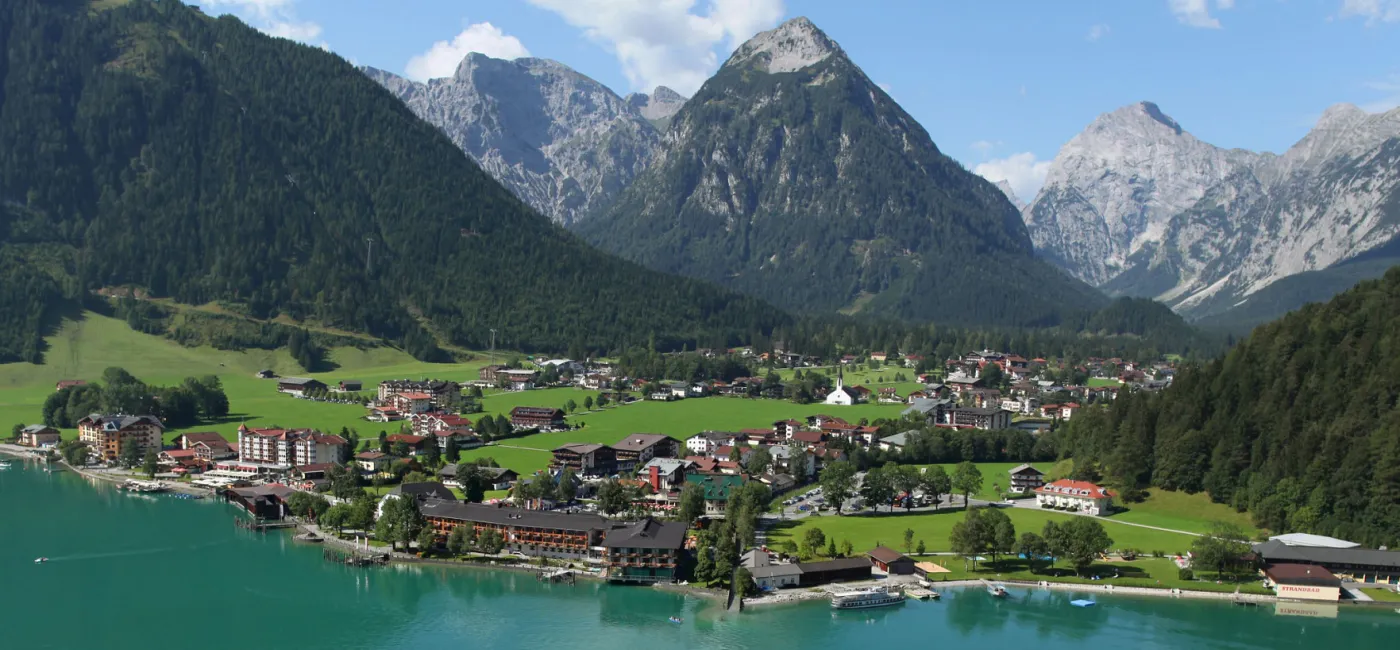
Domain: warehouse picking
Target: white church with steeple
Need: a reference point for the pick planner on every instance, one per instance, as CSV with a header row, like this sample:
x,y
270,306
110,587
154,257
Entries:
x,y
840,395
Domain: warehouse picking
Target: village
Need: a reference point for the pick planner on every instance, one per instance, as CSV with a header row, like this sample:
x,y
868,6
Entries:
x,y
650,508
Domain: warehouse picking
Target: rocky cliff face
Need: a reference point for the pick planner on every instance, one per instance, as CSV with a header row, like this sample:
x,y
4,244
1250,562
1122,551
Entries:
x,y
1151,211
1113,187
559,140
790,175
658,107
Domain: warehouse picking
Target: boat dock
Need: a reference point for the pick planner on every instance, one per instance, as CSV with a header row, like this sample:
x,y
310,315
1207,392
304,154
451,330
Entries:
x,y
921,594
557,575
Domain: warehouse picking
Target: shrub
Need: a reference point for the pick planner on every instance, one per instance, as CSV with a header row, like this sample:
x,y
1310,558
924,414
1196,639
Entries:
x,y
1185,574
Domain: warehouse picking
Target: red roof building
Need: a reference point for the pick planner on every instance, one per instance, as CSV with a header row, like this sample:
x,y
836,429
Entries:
x,y
1080,496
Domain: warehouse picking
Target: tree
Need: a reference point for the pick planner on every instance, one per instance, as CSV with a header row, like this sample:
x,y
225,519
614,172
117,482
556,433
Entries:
x,y
992,376
473,483
402,450
453,453
570,406
1221,550
16,430
130,453
601,401
838,482
813,539
361,512
1032,546
567,488
76,454
415,476
1086,539
908,540
877,489
971,536
335,517
427,539
735,455
612,498
384,446
760,460
150,464
588,403
1003,539
967,481
491,542
921,549
846,548
936,483
692,503
457,539
905,479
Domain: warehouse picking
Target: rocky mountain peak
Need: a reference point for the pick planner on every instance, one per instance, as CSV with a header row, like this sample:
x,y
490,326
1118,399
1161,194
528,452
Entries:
x,y
1340,115
1005,188
789,47
561,141
659,106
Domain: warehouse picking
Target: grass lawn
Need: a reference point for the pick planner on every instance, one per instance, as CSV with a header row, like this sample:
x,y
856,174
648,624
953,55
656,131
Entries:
x,y
1182,511
867,532
872,379
1152,573
83,349
684,418
995,477
523,461
1103,381
1381,594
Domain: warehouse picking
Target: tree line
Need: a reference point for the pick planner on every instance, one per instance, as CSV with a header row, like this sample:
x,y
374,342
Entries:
x,y
1297,424
195,400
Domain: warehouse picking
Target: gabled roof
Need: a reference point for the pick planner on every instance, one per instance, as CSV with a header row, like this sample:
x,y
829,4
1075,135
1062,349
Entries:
x,y
579,447
886,554
807,436
425,490
1073,488
639,441
1026,469
1276,551
298,381
647,533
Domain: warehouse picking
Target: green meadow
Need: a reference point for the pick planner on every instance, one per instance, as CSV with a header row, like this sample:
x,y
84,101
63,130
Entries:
x,y
934,528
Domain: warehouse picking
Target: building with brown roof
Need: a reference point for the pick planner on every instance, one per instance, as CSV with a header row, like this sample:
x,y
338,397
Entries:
x,y
891,561
638,448
1304,582
105,434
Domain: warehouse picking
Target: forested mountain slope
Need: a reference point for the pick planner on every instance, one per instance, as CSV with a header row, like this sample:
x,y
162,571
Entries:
x,y
147,144
1298,423
792,177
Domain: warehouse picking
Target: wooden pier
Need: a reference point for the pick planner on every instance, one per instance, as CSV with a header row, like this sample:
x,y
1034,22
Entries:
x,y
354,559
262,525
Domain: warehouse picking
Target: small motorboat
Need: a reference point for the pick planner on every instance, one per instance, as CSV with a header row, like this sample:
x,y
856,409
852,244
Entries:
x,y
674,619
41,560
1082,603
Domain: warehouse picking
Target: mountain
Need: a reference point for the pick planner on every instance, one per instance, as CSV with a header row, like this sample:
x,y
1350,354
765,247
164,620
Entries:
x,y
1010,193
145,144
561,141
792,177
1138,206
1296,423
1112,188
658,107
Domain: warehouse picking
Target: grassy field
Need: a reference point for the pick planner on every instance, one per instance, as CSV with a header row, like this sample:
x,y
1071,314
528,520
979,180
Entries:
x,y
872,379
1103,381
1181,511
1381,594
995,477
866,532
1152,573
684,418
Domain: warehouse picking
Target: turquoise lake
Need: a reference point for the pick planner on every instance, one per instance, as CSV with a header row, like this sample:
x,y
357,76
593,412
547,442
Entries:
x,y
158,572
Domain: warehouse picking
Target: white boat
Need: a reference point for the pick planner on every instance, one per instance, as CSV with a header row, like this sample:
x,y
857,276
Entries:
x,y
866,598
41,560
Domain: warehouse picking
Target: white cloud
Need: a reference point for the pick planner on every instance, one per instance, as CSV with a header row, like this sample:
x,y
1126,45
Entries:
x,y
442,58
272,17
984,147
1196,13
1021,171
1374,11
1390,87
1098,31
665,42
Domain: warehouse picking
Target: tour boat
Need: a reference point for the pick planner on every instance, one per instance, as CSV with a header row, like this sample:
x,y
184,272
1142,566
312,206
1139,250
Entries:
x,y
866,598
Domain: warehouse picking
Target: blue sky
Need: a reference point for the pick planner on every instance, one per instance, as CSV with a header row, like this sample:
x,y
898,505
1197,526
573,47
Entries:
x,y
999,84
